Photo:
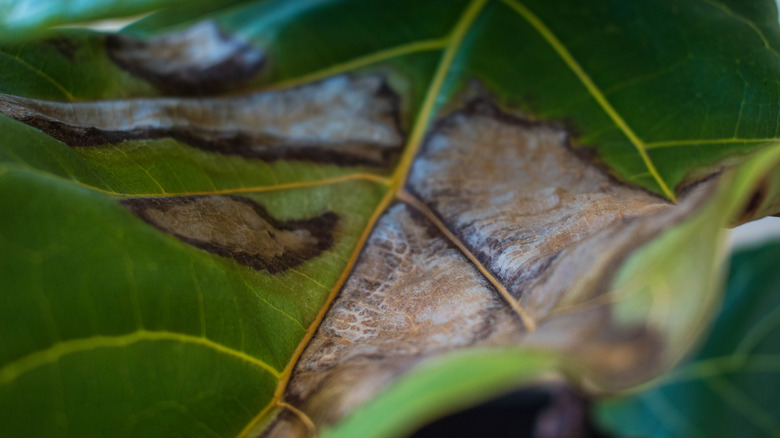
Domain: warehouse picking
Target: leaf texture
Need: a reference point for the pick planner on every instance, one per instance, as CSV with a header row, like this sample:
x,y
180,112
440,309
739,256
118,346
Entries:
x,y
23,20
257,223
597,333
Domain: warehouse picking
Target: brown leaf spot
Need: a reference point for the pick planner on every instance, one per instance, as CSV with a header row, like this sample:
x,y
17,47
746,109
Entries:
x,y
341,120
411,295
515,192
547,223
238,228
199,60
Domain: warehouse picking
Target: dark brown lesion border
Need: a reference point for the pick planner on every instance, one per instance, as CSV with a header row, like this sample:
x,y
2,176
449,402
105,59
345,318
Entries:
x,y
321,228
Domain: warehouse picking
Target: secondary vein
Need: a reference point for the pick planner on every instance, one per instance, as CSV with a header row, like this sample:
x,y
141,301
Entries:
x,y
11,371
583,76
702,141
528,321
40,73
21,166
363,61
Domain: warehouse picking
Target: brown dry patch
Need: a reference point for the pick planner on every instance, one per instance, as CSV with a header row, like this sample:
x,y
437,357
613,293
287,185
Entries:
x,y
238,228
552,227
341,120
198,60
412,295
516,194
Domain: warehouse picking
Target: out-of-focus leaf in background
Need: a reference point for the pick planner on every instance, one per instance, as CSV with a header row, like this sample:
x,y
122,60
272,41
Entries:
x,y
731,386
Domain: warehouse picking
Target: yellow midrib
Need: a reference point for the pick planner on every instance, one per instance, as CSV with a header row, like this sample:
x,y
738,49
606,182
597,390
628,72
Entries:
x,y
429,104
395,189
594,90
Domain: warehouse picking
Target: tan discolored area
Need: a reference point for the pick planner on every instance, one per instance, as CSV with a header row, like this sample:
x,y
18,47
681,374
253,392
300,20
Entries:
x,y
412,295
551,227
200,59
343,120
238,228
516,194
546,225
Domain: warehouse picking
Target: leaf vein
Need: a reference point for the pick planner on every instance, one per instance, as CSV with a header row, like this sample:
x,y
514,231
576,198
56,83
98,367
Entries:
x,y
730,12
528,321
13,370
703,141
362,61
740,401
41,74
592,88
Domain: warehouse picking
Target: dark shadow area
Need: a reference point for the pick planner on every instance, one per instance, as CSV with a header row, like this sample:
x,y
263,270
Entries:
x,y
532,413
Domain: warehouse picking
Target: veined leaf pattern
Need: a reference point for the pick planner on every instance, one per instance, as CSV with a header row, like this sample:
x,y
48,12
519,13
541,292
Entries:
x,y
263,238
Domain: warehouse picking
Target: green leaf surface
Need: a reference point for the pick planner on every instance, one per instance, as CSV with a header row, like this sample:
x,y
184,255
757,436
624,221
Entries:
x,y
162,330
69,66
730,386
178,226
24,19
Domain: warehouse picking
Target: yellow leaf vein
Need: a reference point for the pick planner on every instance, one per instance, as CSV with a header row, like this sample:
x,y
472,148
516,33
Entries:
x,y
594,90
13,370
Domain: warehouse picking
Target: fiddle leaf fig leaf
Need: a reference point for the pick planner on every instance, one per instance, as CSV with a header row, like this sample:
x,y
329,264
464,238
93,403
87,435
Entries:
x,y
268,220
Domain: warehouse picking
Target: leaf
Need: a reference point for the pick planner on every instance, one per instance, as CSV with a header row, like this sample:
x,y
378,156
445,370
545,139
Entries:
x,y
442,178
729,388
25,19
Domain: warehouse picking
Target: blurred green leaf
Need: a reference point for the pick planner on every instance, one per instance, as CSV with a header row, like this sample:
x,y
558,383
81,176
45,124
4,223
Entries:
x,y
25,19
730,387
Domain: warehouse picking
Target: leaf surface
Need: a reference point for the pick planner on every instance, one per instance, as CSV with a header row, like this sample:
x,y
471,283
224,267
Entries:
x,y
475,175
24,19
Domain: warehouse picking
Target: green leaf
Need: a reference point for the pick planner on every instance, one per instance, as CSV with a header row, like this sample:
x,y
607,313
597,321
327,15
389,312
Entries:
x,y
263,220
729,388
23,19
